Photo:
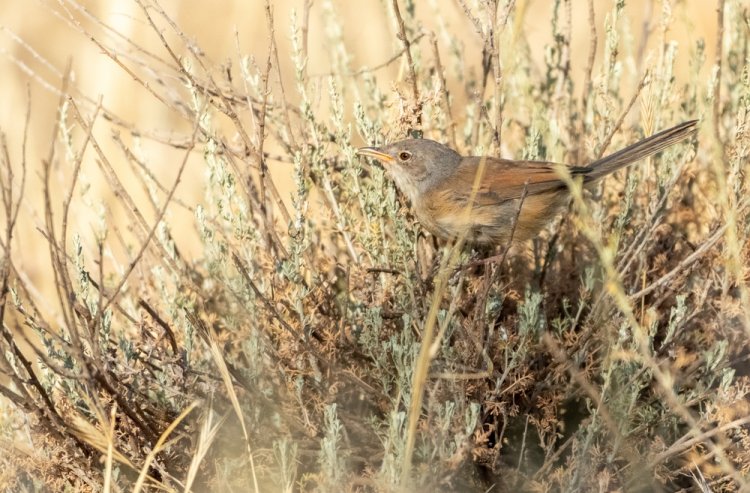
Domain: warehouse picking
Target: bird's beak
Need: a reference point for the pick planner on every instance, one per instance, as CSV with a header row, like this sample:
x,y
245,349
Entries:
x,y
376,153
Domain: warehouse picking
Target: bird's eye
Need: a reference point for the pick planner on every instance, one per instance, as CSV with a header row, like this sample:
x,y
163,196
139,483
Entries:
x,y
404,155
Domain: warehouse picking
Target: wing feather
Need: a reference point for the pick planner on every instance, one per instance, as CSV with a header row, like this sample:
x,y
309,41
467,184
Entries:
x,y
504,180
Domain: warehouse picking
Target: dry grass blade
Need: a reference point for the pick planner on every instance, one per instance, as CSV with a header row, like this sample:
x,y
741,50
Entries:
x,y
158,447
226,378
206,437
110,451
422,363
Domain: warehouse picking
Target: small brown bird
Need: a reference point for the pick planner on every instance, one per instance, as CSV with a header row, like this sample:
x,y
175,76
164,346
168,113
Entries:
x,y
439,183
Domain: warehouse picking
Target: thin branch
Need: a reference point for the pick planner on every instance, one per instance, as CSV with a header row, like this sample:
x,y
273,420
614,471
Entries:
x,y
264,208
269,306
621,119
717,85
587,96
417,107
367,70
62,281
687,262
305,28
684,444
279,77
444,92
151,232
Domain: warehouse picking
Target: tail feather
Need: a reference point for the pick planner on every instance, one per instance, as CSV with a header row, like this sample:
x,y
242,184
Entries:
x,y
640,150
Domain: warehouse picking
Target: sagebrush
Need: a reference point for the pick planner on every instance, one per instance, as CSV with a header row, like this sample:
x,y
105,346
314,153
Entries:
x,y
333,345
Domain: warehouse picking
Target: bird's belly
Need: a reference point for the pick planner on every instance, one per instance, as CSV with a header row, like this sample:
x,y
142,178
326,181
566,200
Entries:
x,y
492,224
478,226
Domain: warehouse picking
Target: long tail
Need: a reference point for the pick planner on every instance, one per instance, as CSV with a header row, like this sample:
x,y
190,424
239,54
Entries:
x,y
641,149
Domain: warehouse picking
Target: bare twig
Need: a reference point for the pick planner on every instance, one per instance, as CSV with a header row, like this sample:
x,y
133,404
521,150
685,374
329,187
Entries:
x,y
587,96
417,106
305,28
21,395
684,444
368,70
63,284
280,79
497,68
117,59
151,232
640,240
684,264
718,64
474,19
500,259
385,270
269,306
264,208
444,92
621,119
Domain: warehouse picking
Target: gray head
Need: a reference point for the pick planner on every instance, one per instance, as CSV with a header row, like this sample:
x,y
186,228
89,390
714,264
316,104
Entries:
x,y
415,164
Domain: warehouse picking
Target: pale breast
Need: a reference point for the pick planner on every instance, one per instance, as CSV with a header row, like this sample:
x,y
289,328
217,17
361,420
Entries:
x,y
487,222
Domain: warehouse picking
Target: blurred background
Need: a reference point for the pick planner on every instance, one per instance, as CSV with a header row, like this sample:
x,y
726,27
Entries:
x,y
39,39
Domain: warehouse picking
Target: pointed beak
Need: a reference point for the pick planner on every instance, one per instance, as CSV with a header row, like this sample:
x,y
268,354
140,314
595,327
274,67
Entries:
x,y
376,153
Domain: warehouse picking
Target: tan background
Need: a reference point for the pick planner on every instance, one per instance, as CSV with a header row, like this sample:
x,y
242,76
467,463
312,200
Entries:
x,y
368,32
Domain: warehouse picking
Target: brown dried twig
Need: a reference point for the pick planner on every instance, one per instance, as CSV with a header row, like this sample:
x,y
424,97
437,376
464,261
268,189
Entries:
x,y
444,92
682,266
608,139
587,96
417,107
716,96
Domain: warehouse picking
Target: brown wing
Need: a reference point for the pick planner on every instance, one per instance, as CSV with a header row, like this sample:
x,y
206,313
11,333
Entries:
x,y
504,180
495,205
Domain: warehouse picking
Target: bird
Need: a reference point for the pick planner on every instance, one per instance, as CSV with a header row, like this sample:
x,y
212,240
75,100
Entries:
x,y
440,185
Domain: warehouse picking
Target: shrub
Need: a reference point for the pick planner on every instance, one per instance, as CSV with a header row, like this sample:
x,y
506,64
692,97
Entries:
x,y
326,343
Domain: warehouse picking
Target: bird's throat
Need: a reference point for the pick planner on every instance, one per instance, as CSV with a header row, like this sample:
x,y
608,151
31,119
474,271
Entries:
x,y
406,183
